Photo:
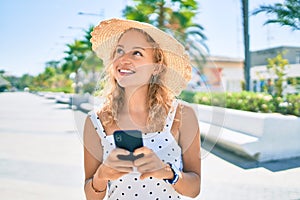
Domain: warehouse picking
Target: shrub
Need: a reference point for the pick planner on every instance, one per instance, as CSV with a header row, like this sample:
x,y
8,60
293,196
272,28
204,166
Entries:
x,y
89,87
247,101
187,96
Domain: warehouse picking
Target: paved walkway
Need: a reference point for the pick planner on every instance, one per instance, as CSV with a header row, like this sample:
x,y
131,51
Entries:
x,y
41,158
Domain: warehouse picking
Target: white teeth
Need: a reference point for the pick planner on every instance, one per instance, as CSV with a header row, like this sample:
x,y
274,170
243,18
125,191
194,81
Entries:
x,y
126,71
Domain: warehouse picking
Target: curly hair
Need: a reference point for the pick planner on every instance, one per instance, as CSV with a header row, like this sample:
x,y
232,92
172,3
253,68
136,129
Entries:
x,y
159,98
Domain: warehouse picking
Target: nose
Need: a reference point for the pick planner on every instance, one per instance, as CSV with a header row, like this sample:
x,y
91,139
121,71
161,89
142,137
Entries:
x,y
125,59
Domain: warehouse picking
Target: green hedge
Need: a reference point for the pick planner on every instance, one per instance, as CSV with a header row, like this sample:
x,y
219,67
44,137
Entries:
x,y
60,89
248,101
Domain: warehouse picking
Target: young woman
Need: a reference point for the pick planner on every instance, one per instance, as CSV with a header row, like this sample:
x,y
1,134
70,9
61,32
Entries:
x,y
146,68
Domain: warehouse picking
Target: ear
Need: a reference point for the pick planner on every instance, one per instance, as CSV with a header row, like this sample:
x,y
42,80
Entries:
x,y
157,69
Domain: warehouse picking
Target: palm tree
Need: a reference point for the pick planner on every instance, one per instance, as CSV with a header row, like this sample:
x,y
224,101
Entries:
x,y
175,17
189,33
91,63
80,57
73,60
286,14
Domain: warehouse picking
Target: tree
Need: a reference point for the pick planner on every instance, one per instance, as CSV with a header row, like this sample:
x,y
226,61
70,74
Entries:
x,y
73,60
82,60
52,63
75,56
277,66
286,14
91,63
176,17
25,81
56,76
4,84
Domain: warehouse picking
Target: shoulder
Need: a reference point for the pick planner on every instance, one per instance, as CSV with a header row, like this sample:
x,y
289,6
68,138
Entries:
x,y
187,112
91,140
92,122
89,126
88,122
189,128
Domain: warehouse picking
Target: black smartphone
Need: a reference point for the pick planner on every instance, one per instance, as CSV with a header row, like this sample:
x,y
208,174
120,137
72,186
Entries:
x,y
129,140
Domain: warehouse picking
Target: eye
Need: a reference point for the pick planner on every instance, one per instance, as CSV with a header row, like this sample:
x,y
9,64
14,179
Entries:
x,y
119,51
137,53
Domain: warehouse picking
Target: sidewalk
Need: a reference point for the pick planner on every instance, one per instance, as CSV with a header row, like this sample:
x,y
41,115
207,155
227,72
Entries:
x,y
41,157
40,151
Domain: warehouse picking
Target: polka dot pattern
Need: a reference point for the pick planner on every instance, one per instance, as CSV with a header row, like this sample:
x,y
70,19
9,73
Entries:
x,y
130,186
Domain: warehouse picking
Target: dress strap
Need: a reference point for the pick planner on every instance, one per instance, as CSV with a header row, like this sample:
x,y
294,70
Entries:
x,y
171,115
97,123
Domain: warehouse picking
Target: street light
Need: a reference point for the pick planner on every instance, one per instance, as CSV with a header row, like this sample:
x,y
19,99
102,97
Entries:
x,y
247,64
101,14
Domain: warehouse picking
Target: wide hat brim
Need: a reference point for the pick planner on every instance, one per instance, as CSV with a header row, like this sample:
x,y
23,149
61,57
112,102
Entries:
x,y
178,68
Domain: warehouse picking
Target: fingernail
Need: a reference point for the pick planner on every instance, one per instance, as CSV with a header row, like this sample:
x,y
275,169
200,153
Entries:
x,y
127,152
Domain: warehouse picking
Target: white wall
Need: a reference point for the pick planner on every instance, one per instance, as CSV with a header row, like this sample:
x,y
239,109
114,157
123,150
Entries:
x,y
232,78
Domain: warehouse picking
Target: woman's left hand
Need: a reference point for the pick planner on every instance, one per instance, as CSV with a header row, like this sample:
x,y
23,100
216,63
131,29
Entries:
x,y
150,165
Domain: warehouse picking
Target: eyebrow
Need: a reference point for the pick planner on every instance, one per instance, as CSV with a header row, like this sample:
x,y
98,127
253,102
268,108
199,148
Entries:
x,y
132,48
139,48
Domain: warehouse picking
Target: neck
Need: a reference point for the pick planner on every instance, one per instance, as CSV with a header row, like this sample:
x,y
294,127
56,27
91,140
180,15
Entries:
x,y
136,99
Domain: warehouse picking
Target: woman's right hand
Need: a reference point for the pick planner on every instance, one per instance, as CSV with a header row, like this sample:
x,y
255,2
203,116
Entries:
x,y
113,168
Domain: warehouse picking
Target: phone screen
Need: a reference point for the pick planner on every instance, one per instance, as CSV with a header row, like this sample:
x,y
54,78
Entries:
x,y
129,140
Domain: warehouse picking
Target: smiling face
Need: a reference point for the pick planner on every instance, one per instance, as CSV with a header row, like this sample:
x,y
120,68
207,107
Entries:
x,y
133,60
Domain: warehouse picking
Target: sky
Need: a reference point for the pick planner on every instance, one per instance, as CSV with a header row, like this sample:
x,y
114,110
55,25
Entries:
x,y
34,32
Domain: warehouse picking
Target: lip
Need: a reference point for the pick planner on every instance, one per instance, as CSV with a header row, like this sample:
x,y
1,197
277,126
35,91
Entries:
x,y
125,71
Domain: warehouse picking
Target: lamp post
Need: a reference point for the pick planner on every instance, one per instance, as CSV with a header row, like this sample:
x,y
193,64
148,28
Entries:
x,y
245,9
101,14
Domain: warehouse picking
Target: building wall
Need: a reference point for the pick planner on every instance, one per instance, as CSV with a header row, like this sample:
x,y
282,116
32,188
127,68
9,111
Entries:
x,y
261,72
233,78
292,54
223,73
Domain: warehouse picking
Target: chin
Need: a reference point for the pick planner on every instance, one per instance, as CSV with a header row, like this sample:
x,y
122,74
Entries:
x,y
131,85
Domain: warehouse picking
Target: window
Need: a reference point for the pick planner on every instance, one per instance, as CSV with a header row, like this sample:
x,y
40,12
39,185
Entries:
x,y
297,57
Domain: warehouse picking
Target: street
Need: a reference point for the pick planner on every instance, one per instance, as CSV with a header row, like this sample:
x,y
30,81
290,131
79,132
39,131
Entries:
x,y
41,157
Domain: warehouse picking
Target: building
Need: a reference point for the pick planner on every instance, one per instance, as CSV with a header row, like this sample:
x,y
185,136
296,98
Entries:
x,y
292,54
227,74
260,76
219,74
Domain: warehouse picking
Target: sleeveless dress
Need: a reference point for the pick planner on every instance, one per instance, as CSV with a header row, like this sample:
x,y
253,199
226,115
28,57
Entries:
x,y
129,186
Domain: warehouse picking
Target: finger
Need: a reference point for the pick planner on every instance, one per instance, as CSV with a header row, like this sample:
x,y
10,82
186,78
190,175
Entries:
x,y
121,163
151,159
118,165
119,151
124,163
141,161
144,150
146,168
115,167
124,169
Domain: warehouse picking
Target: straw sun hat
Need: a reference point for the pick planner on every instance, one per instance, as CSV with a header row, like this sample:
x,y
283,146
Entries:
x,y
178,69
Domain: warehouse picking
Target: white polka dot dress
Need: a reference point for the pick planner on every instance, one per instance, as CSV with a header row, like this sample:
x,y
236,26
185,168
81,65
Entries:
x,y
129,186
